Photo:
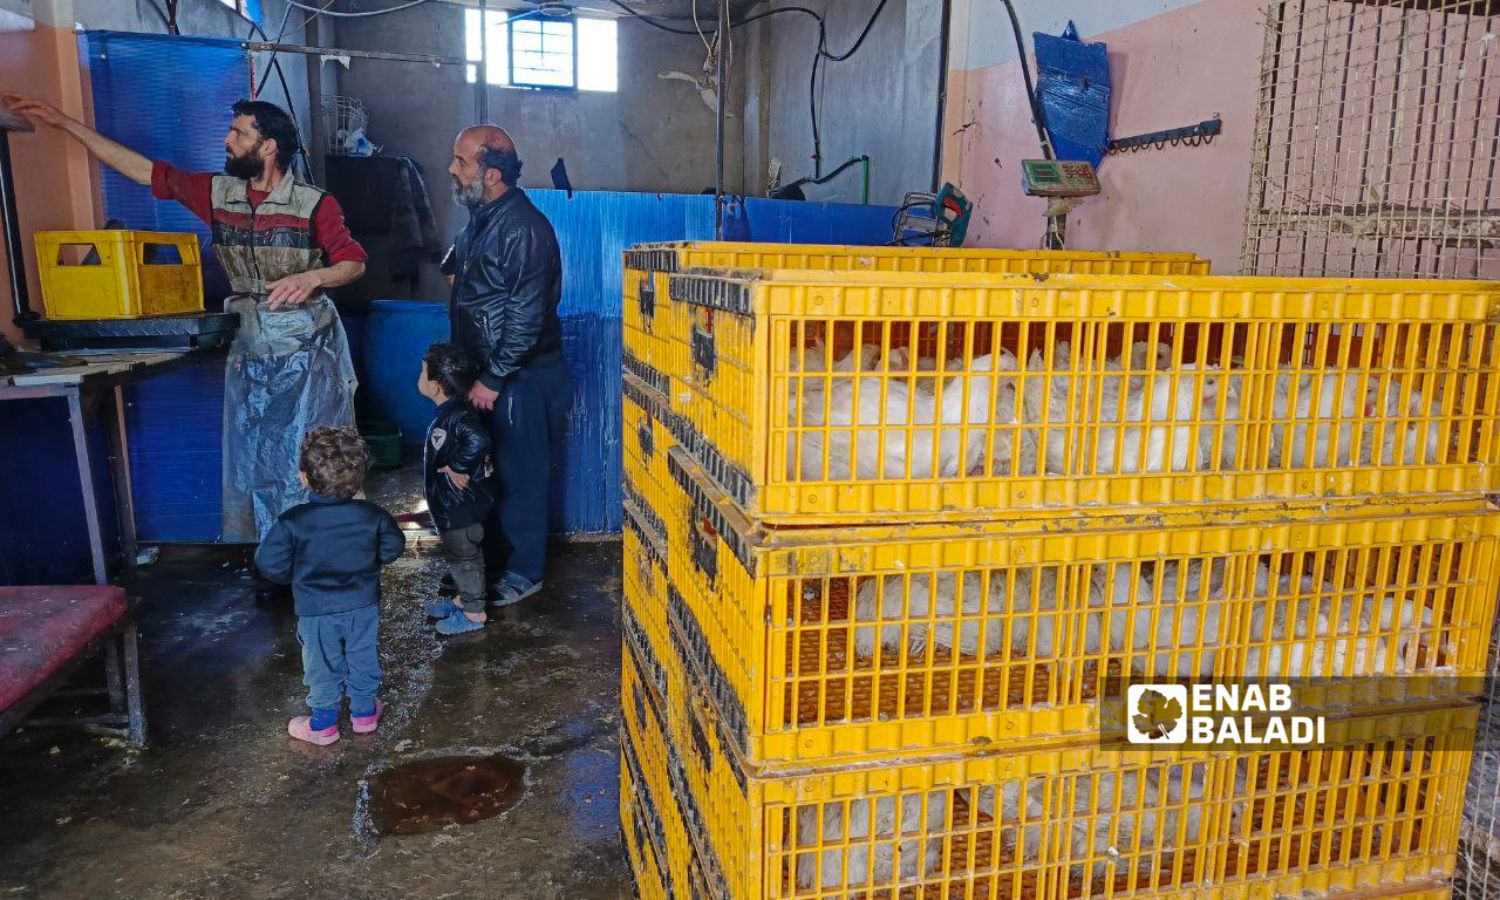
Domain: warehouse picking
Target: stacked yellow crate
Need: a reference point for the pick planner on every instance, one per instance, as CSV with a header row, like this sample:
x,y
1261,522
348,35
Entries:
x,y
847,735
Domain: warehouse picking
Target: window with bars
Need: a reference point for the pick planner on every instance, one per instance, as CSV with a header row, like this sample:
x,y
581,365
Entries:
x,y
540,52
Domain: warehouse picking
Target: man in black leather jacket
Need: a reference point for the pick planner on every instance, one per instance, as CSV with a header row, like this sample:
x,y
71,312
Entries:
x,y
507,283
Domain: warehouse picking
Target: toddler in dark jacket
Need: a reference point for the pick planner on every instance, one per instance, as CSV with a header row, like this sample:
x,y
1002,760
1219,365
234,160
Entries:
x,y
457,481
330,551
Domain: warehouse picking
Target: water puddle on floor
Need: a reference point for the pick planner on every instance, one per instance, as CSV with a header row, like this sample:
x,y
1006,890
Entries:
x,y
433,793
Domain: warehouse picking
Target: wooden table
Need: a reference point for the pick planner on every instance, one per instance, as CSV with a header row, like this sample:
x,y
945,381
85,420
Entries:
x,y
101,377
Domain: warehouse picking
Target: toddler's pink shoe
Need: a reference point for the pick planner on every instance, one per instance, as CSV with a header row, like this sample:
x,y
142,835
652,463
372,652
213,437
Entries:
x,y
301,729
367,724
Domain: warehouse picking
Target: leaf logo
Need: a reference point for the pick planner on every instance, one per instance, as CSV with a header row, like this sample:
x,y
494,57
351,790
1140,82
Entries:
x,y
1156,714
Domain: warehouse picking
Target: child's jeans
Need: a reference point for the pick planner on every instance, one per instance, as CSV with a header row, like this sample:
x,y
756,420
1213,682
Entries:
x,y
340,657
464,550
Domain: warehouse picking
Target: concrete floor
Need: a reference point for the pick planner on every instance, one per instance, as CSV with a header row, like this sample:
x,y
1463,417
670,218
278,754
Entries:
x,y
222,804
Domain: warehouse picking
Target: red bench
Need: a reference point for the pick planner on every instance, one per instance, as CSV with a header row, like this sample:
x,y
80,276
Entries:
x,y
48,633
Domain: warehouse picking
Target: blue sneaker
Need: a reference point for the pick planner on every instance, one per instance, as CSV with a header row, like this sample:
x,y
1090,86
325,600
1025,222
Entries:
x,y
442,608
512,588
459,624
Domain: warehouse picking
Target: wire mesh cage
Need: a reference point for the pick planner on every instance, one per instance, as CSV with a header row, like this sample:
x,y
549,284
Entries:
x,y
343,117
1377,135
1376,147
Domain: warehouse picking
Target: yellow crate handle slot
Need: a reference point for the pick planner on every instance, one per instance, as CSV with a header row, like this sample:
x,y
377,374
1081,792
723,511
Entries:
x,y
705,356
705,545
79,254
159,254
643,434
646,299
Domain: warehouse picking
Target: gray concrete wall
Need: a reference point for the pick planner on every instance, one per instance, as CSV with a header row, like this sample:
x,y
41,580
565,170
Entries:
x,y
882,101
652,135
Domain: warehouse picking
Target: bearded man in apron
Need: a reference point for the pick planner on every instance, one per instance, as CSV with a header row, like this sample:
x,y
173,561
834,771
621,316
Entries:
x,y
282,243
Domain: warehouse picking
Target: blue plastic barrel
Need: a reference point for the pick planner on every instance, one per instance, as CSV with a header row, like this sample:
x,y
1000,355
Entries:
x,y
397,333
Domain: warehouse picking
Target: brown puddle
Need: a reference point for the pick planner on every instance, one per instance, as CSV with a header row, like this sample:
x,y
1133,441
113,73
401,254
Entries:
x,y
432,793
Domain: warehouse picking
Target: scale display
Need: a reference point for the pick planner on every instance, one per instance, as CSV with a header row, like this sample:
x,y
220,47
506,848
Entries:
x,y
1058,178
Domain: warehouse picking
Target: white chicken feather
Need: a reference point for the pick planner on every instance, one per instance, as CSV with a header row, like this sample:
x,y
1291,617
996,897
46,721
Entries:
x,y
871,854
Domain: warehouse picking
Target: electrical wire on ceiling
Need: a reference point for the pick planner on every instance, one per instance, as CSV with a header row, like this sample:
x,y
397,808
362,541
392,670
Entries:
x,y
354,15
820,53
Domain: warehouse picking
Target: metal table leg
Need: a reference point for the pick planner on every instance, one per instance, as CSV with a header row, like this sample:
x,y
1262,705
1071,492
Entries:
x,y
119,464
86,485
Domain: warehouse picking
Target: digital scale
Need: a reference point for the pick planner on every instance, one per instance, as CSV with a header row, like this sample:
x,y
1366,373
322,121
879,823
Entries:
x,y
1064,184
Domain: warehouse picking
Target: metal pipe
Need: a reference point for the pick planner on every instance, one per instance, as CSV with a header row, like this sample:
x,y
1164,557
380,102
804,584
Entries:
x,y
482,82
266,46
723,86
945,34
13,250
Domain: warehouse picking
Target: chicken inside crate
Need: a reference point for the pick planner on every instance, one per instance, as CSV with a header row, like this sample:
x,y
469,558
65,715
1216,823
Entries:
x,y
1364,810
1025,639
821,397
879,400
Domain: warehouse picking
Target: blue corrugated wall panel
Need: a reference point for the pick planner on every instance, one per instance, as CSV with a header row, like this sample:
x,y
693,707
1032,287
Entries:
x,y
167,97
593,229
43,532
175,431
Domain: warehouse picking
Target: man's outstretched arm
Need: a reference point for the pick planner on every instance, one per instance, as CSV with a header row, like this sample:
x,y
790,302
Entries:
x,y
115,155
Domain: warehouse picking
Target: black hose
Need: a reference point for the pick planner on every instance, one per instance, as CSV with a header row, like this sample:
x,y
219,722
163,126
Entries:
x,y
1036,109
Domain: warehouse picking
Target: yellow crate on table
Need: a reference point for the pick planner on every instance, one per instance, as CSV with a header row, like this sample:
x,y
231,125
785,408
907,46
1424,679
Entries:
x,y
826,645
118,274
1371,809
820,398
646,430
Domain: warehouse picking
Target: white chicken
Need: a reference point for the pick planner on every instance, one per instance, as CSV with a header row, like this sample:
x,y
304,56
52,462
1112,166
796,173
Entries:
x,y
1306,641
870,858
1090,403
1420,440
1332,402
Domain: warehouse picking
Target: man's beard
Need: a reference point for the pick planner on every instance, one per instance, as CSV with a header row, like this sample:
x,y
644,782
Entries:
x,y
468,195
249,167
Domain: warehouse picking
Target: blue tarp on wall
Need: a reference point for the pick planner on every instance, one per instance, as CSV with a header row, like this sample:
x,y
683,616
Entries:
x,y
1073,89
593,229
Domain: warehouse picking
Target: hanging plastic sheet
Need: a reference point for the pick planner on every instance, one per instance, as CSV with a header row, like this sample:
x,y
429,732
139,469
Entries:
x,y
288,372
1073,89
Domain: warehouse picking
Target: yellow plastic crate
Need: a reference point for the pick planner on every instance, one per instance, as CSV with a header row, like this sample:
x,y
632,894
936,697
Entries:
x,y
1111,391
821,645
646,431
1372,810
654,753
118,274
650,320
644,612
648,861
653,377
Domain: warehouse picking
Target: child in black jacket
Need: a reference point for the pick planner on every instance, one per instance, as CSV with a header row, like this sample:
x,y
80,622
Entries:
x,y
457,480
330,551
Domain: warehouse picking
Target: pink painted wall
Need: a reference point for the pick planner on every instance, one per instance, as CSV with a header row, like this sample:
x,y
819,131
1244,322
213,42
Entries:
x,y
1168,71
